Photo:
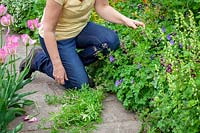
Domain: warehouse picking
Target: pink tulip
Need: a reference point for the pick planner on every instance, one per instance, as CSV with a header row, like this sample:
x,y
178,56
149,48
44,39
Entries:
x,y
30,119
3,10
26,40
27,117
36,22
11,49
3,55
12,39
34,119
12,42
33,24
7,20
31,41
30,25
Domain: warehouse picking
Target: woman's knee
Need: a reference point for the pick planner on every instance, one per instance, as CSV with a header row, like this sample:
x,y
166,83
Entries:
x,y
79,84
114,41
75,84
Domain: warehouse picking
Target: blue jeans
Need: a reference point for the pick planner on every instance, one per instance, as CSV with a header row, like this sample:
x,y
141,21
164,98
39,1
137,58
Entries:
x,y
92,39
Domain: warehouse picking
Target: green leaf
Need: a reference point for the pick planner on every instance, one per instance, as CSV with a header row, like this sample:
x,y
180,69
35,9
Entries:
x,y
22,83
18,128
192,103
28,102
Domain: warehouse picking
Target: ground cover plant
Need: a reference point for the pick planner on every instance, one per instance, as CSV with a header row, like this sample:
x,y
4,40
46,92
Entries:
x,y
156,70
80,110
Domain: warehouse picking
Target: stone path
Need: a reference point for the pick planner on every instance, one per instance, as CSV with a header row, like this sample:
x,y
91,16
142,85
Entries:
x,y
115,118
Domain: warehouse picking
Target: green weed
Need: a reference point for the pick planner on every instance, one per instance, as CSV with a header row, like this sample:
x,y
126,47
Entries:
x,y
81,109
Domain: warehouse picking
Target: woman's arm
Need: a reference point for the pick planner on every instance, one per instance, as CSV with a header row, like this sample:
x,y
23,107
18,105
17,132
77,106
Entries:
x,y
107,12
51,17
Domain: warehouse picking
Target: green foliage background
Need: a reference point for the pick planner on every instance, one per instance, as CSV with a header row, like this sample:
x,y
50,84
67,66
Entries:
x,y
161,80
23,10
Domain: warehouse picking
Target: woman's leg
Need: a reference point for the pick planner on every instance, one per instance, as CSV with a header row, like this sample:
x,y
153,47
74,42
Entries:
x,y
95,38
73,65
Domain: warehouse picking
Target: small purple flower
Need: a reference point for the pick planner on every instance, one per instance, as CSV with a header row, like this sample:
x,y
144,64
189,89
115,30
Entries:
x,y
112,59
163,29
172,42
139,6
118,82
169,70
132,81
169,65
169,37
180,45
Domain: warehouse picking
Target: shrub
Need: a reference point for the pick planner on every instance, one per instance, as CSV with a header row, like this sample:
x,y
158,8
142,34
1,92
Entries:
x,y
167,7
155,72
176,104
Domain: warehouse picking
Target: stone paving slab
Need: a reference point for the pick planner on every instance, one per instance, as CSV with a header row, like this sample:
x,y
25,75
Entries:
x,y
119,127
116,119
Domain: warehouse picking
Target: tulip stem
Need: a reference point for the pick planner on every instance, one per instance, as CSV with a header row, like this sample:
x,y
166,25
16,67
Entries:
x,y
1,38
26,51
14,64
11,65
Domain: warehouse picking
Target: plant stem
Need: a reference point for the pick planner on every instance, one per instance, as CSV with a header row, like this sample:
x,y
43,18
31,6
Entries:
x,y
1,38
14,64
26,51
11,67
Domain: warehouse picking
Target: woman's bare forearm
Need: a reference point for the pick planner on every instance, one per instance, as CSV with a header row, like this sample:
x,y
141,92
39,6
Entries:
x,y
51,45
51,17
110,14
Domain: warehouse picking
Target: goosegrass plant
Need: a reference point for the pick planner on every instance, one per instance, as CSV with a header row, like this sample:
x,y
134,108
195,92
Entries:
x,y
80,110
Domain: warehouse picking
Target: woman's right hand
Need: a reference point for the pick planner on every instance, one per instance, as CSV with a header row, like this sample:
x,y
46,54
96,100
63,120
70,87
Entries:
x,y
59,74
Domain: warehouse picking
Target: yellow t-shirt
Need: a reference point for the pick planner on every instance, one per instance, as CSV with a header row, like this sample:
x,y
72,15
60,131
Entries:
x,y
73,19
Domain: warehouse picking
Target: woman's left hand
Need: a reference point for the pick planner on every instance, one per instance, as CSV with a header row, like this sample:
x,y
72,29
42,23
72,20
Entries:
x,y
133,23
